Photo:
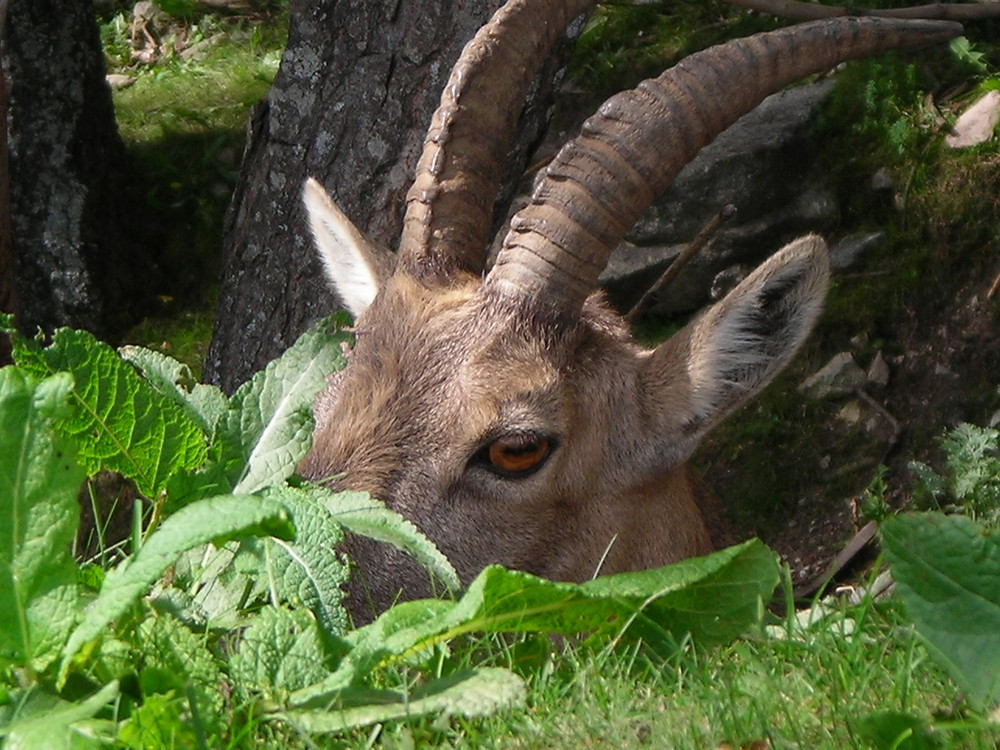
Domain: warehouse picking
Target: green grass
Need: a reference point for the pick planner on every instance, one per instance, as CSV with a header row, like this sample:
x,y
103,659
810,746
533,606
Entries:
x,y
183,122
791,687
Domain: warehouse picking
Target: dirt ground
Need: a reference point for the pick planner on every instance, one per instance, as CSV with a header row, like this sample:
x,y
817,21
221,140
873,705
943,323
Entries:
x,y
796,482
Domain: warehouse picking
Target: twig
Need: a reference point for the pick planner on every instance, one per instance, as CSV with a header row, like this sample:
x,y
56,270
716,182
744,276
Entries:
x,y
851,550
801,11
993,287
897,428
727,212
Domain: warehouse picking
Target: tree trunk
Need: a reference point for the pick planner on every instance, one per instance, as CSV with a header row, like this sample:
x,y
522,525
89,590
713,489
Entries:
x,y
355,92
9,302
71,208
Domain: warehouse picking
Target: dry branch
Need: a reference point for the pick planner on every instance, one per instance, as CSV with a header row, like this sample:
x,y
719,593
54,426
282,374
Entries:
x,y
700,240
801,11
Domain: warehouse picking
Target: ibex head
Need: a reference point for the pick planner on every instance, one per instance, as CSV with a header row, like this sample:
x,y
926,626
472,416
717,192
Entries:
x,y
510,415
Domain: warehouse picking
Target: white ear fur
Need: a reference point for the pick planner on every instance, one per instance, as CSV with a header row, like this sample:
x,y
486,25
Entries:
x,y
737,347
355,266
746,339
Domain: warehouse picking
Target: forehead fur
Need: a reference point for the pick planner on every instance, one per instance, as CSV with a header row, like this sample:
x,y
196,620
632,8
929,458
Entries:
x,y
433,372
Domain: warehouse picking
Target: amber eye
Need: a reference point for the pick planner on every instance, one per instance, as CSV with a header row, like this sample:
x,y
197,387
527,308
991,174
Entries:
x,y
517,454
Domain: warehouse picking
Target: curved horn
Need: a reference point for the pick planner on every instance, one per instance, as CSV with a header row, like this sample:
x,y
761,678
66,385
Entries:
x,y
449,207
601,182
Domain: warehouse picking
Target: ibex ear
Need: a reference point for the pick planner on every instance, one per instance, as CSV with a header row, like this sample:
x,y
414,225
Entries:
x,y
355,266
723,358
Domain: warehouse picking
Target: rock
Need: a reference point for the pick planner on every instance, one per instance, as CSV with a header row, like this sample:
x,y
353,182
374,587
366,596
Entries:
x,y
977,124
119,81
941,370
878,371
850,412
882,180
840,376
763,165
846,252
149,12
726,279
201,49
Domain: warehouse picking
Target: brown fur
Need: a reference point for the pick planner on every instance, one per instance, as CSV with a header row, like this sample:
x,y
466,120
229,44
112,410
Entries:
x,y
454,371
438,373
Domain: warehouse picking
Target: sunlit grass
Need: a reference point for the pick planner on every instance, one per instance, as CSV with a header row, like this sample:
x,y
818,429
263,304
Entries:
x,y
209,95
183,121
810,688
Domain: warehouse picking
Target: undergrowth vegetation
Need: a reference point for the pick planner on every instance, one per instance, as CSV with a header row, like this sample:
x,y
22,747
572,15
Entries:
x,y
214,619
218,622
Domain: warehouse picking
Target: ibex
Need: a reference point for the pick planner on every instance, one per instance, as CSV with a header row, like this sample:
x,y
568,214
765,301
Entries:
x,y
509,414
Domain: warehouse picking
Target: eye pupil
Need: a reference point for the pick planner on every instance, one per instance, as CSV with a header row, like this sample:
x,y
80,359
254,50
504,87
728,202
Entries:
x,y
518,453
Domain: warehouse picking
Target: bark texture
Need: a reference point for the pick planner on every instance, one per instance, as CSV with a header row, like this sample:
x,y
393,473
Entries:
x,y
74,261
350,105
8,289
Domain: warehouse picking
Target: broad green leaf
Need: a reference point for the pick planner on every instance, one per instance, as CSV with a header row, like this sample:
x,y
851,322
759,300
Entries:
x,y
159,722
964,52
215,519
711,598
208,588
205,404
361,514
177,661
281,651
39,515
267,429
52,728
947,571
121,422
890,730
308,571
475,692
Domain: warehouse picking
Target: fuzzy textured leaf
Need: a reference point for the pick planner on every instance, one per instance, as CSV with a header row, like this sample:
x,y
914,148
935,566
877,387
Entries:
x,y
205,404
214,519
39,480
947,571
281,651
121,422
158,722
267,429
361,514
308,570
475,692
52,729
177,661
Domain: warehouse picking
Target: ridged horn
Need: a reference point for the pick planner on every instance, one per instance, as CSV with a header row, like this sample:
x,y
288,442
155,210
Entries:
x,y
449,207
601,182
